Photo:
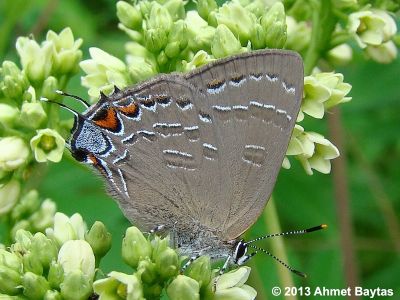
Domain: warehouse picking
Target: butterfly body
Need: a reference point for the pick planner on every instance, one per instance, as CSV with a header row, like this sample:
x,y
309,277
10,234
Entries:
x,y
199,152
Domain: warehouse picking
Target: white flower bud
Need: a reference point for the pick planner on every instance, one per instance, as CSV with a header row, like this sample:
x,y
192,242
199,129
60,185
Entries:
x,y
67,228
77,255
36,59
8,114
13,153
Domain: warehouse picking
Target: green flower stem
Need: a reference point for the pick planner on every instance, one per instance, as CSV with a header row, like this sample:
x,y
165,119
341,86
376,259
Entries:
x,y
339,38
53,115
341,15
272,224
54,110
323,24
7,237
7,131
63,81
293,6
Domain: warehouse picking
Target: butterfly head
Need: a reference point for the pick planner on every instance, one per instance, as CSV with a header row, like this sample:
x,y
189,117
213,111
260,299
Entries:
x,y
240,255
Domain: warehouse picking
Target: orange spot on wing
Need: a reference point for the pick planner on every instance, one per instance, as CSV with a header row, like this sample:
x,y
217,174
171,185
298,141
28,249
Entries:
x,y
107,119
129,110
215,83
93,159
97,164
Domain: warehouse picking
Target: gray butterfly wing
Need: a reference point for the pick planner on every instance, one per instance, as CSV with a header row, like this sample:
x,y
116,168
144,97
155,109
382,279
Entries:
x,y
164,174
253,101
202,148
154,151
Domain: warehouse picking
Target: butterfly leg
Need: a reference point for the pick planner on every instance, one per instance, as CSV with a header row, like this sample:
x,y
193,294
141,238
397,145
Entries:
x,y
221,271
157,229
68,146
173,234
162,230
189,262
245,258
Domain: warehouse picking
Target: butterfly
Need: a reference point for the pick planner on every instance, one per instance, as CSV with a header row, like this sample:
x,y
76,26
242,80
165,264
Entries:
x,y
197,153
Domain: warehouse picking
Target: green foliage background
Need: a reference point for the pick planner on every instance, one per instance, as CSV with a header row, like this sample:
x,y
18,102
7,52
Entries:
x,y
371,125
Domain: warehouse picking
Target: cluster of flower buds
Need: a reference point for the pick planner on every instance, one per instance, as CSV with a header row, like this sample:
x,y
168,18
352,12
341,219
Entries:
x,y
165,38
24,210
29,213
60,264
157,267
29,128
57,56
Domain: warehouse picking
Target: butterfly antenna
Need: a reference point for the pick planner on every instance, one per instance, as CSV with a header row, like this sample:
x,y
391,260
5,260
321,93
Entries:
x,y
74,97
279,261
292,232
76,114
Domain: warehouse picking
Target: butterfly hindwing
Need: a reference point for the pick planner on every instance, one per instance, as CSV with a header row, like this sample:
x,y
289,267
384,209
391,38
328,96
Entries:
x,y
255,99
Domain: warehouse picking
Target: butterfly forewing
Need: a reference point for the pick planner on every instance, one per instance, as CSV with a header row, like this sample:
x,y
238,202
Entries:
x,y
163,153
204,147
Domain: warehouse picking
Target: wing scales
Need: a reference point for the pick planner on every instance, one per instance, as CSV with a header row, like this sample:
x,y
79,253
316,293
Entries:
x,y
266,76
210,148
